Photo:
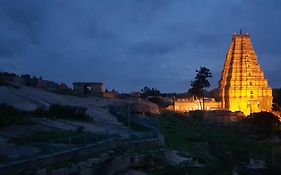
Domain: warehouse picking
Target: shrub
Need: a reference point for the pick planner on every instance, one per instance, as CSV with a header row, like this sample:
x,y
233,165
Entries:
x,y
264,122
66,112
10,115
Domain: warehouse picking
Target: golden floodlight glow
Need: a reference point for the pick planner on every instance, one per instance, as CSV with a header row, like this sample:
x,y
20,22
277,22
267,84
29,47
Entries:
x,y
242,86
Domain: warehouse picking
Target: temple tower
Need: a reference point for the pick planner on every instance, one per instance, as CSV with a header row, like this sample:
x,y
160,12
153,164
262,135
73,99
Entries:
x,y
242,86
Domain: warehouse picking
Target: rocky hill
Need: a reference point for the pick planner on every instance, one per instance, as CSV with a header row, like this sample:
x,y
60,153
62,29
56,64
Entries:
x,y
30,98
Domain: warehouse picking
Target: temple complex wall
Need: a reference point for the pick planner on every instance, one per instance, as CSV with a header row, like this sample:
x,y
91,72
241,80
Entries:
x,y
186,105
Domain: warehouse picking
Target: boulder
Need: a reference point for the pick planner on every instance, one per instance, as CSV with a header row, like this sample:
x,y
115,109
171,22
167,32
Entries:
x,y
144,107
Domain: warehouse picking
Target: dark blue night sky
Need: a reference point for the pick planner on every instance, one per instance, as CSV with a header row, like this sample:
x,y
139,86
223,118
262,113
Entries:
x,y
129,44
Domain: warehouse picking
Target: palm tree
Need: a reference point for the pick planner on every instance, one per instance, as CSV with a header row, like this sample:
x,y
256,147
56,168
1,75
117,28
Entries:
x,y
196,92
200,83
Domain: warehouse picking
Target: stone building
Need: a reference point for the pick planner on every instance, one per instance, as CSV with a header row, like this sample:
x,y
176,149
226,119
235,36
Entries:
x,y
88,89
242,86
186,105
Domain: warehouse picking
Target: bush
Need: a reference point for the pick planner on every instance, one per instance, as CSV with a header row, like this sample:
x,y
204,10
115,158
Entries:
x,y
10,115
68,112
264,122
146,92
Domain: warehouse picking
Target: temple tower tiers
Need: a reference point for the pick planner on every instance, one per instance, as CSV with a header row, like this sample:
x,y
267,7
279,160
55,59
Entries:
x,y
243,86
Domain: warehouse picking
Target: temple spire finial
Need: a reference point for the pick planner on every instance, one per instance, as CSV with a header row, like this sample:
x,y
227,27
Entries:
x,y
240,31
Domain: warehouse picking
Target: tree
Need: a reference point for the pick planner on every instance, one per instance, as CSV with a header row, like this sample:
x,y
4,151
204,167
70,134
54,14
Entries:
x,y
276,99
146,91
200,83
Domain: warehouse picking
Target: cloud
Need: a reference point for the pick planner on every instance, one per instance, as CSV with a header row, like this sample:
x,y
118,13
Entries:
x,y
129,44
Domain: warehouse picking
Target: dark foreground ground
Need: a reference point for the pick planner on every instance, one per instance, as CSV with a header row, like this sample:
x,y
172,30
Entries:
x,y
221,148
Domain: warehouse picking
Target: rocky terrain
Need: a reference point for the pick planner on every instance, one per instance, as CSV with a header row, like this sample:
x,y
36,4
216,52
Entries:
x,y
123,129
104,124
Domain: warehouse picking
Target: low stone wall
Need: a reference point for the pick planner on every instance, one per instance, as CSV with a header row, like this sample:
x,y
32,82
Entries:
x,y
44,161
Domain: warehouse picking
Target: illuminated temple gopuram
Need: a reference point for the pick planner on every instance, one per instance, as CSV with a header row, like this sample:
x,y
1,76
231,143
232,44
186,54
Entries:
x,y
242,86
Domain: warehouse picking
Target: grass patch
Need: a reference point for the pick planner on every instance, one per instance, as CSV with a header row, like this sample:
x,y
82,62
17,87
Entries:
x,y
213,144
228,139
176,132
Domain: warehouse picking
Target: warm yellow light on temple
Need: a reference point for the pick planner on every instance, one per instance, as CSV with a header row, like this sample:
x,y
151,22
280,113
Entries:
x,y
243,86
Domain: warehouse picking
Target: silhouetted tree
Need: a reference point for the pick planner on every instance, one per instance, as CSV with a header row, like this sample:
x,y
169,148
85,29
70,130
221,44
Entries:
x,y
200,83
146,91
26,76
30,81
276,99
